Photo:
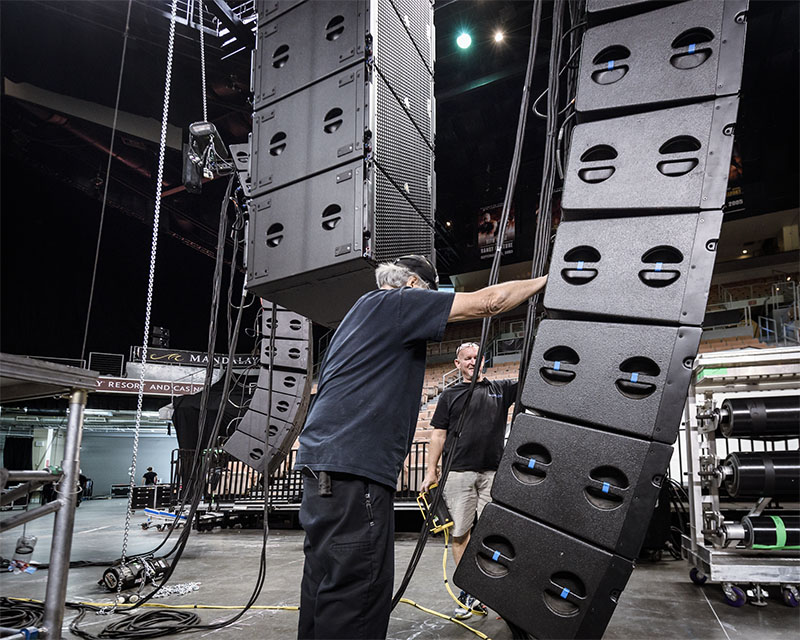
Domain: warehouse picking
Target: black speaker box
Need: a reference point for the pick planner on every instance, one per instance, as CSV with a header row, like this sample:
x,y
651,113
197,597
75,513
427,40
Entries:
x,y
287,353
288,324
670,160
539,578
252,451
306,245
662,275
628,378
340,159
680,53
283,406
305,43
308,132
597,486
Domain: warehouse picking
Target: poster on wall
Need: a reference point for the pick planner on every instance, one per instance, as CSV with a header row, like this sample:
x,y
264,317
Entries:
x,y
488,228
734,197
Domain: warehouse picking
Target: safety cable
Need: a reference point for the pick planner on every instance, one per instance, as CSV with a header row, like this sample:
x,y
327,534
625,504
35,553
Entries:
x,y
203,62
107,180
493,278
150,281
544,221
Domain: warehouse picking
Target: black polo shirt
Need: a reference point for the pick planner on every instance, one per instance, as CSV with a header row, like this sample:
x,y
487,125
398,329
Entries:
x,y
480,446
365,411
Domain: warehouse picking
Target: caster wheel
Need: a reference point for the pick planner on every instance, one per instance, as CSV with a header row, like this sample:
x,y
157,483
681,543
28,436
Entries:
x,y
160,527
144,526
790,597
735,597
697,577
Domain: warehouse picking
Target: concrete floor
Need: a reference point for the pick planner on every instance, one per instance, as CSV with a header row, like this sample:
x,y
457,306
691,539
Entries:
x,y
659,602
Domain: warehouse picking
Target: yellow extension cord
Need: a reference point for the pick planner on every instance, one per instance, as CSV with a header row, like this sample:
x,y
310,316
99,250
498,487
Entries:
x,y
158,605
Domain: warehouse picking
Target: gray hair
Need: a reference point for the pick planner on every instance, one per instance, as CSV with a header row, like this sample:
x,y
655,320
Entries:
x,y
395,276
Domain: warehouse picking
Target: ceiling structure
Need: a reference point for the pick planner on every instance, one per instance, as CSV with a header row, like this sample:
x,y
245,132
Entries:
x,y
60,72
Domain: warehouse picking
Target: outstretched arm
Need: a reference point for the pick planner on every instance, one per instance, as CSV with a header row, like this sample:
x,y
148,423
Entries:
x,y
498,298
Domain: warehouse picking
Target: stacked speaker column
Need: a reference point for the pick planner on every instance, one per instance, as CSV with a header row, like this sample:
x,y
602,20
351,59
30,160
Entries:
x,y
340,166
644,189
277,405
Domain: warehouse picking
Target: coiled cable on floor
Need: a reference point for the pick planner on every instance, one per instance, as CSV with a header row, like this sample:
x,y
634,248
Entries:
x,y
20,614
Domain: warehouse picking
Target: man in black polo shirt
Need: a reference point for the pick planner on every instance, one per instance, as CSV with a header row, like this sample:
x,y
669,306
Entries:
x,y
359,431
476,453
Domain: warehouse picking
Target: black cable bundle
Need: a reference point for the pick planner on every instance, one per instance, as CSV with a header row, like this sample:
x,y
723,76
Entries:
x,y
149,624
552,154
19,615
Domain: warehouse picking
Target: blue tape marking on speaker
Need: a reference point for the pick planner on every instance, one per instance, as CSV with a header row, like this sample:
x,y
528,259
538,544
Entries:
x,y
564,593
531,463
634,377
557,365
606,487
495,555
659,265
610,64
691,48
580,265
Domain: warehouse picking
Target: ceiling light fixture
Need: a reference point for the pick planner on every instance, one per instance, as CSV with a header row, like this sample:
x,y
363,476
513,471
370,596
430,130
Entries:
x,y
464,40
498,36
744,251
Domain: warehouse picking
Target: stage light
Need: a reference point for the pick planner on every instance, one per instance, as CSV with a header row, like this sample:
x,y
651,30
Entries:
x,y
448,224
464,40
498,36
744,251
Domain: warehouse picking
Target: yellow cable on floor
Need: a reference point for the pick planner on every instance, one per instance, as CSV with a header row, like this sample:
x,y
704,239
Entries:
x,y
447,582
483,636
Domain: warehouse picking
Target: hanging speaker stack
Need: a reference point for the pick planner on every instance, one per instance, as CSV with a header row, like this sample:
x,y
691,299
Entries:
x,y
276,407
644,186
339,167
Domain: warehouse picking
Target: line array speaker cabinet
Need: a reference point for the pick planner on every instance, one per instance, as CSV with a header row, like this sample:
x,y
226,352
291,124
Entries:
x,y
593,485
276,409
541,578
670,55
644,188
340,165
665,268
678,159
624,377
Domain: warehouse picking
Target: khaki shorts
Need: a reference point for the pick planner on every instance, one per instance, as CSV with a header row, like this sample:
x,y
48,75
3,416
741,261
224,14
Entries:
x,y
465,494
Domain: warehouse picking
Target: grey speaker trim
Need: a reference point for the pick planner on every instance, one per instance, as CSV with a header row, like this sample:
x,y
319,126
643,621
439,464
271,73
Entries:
x,y
627,378
650,72
539,578
663,275
595,485
665,161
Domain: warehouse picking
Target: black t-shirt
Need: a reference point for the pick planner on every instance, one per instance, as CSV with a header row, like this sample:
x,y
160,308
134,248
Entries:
x,y
480,446
365,411
150,477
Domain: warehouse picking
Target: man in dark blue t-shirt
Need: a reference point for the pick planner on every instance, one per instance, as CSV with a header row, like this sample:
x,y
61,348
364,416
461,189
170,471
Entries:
x,y
358,433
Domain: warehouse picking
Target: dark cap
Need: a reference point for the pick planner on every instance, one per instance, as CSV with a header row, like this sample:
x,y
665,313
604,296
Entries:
x,y
421,266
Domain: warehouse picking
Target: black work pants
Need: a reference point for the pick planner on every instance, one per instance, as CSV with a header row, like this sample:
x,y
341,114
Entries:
x,y
349,559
